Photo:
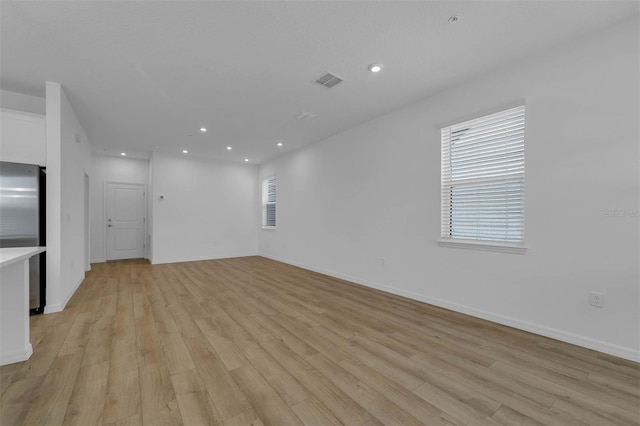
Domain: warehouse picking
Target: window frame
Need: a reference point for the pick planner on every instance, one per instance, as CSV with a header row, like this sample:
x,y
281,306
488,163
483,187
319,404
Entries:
x,y
265,202
448,179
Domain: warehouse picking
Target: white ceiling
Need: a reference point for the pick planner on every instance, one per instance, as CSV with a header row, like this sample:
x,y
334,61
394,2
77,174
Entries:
x,y
146,75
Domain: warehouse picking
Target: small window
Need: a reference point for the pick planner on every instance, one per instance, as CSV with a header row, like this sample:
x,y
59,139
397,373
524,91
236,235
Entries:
x,y
483,182
269,202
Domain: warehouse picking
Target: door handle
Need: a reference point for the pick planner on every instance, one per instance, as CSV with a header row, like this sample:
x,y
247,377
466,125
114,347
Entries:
x,y
109,225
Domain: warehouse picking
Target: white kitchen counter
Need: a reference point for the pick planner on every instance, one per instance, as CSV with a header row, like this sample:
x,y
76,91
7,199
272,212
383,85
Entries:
x,y
14,303
11,255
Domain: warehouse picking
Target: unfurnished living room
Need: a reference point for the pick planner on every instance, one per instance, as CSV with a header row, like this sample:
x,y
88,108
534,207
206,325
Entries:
x,y
320,213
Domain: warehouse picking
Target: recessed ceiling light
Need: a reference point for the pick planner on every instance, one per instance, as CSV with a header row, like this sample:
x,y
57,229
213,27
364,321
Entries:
x,y
279,144
123,154
229,148
246,160
203,129
454,19
375,67
184,151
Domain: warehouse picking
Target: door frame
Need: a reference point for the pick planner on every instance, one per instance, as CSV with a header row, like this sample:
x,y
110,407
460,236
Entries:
x,y
145,227
87,222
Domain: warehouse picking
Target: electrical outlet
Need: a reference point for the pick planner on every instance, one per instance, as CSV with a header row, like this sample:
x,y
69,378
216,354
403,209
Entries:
x,y
596,299
382,261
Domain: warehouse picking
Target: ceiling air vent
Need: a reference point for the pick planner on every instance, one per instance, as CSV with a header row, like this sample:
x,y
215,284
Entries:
x,y
328,80
304,116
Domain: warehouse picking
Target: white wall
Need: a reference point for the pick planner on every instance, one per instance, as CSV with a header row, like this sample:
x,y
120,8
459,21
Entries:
x,y
22,102
374,192
54,186
110,169
209,209
68,159
22,137
76,162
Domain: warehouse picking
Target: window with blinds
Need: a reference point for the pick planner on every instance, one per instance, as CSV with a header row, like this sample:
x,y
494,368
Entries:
x,y
483,181
269,202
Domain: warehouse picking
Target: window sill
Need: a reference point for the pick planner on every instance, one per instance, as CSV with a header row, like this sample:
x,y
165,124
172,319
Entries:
x,y
483,246
268,228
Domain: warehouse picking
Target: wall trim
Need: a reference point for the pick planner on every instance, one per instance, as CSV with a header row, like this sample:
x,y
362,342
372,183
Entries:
x,y
22,115
200,258
52,309
16,356
553,333
59,307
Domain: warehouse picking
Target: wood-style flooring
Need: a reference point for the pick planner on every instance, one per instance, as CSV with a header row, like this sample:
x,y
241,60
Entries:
x,y
250,341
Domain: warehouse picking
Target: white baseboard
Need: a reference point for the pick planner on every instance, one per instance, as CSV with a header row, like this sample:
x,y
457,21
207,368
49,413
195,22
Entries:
x,y
58,307
199,258
16,356
104,260
52,309
564,336
73,291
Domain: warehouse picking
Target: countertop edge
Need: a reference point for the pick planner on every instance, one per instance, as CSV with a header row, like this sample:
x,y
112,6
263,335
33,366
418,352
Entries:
x,y
10,255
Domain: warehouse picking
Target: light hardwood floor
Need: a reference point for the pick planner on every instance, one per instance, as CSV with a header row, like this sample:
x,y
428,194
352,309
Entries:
x,y
253,341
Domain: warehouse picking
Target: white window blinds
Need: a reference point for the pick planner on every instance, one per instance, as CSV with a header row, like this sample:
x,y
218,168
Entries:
x,y
483,179
269,202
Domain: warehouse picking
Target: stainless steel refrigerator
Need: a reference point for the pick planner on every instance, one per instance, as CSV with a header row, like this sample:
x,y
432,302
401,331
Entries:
x,y
23,219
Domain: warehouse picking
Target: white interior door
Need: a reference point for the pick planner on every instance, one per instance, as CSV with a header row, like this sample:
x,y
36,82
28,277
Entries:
x,y
125,221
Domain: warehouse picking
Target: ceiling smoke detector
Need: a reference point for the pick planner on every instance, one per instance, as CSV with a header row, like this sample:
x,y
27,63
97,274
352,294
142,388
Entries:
x,y
328,80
